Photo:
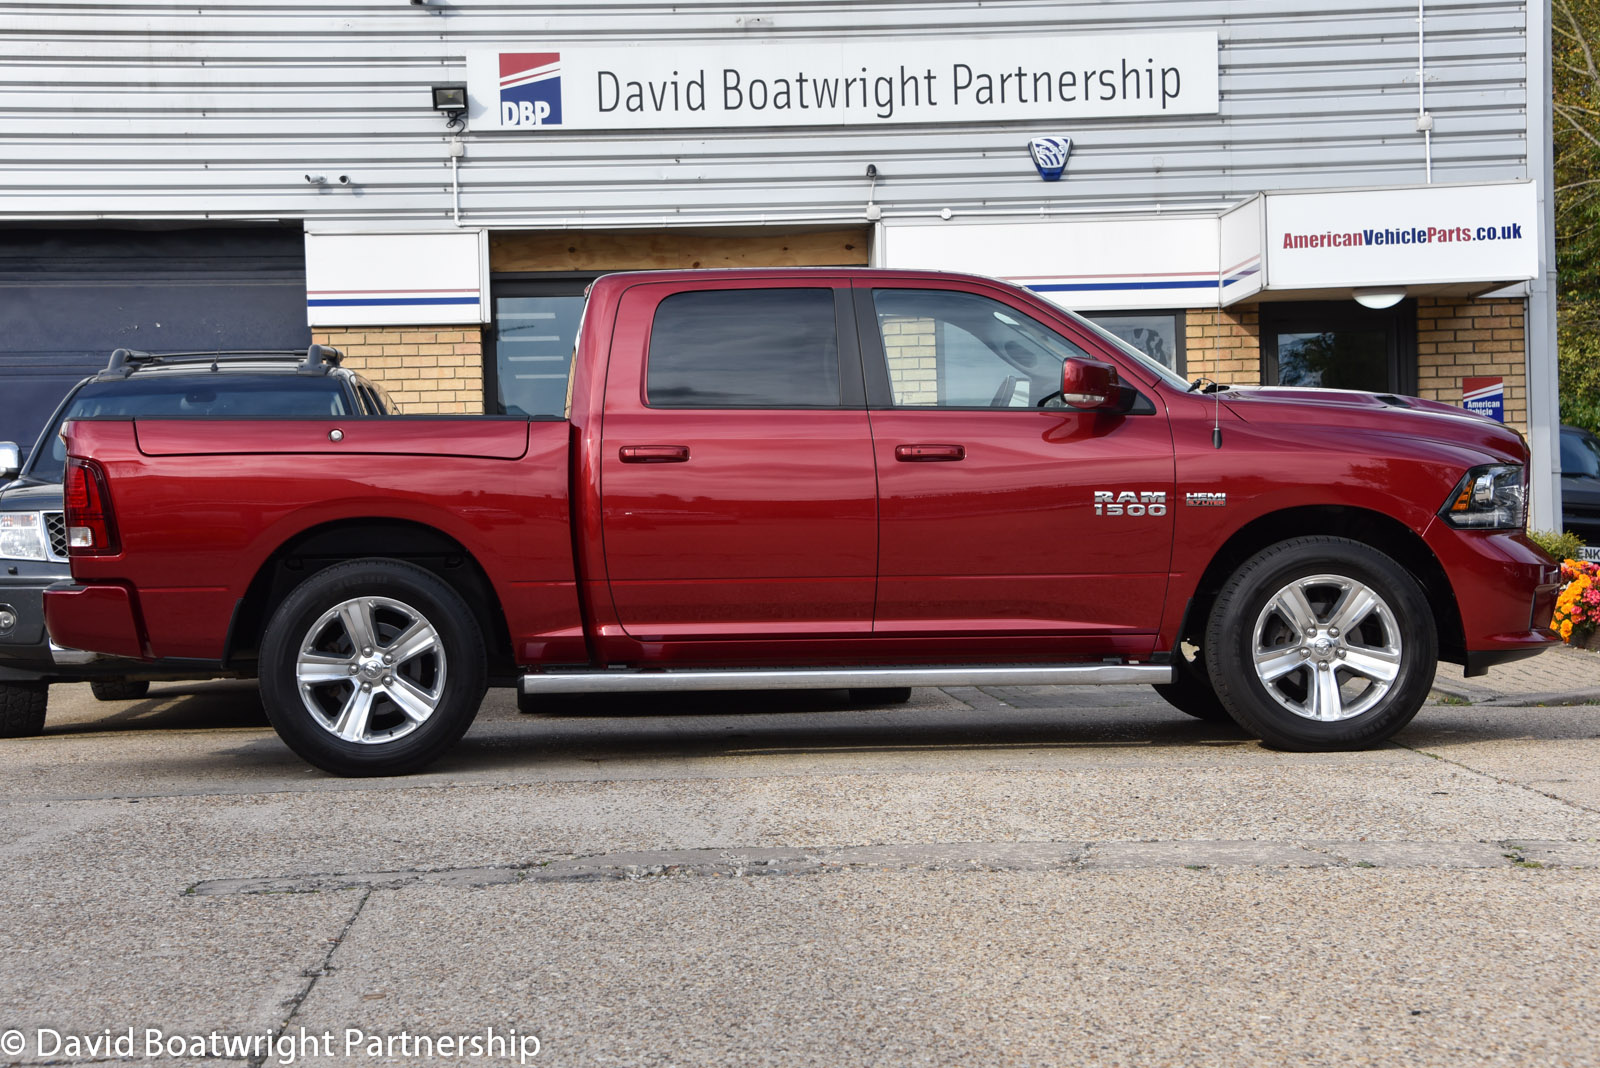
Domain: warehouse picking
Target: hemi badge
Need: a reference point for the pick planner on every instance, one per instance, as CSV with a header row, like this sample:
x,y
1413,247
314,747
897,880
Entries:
x,y
1206,500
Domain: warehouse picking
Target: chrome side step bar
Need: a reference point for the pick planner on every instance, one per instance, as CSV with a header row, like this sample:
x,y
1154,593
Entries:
x,y
844,678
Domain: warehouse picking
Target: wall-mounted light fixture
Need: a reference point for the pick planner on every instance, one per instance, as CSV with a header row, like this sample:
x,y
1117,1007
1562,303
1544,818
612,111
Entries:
x,y
451,99
1379,297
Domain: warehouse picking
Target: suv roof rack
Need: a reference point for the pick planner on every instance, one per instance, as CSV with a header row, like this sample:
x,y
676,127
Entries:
x,y
317,359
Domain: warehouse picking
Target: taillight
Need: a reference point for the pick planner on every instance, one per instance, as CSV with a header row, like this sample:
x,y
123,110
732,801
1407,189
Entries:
x,y
91,528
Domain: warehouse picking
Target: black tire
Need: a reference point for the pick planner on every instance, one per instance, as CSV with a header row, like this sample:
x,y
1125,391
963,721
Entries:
x,y
119,689
1327,583
22,707
880,695
437,671
1191,693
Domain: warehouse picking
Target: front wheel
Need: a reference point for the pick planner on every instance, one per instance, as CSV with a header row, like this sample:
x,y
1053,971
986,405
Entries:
x,y
372,667
22,708
1321,643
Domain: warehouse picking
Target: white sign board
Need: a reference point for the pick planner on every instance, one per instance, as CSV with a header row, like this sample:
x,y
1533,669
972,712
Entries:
x,y
1415,236
858,82
1242,268
1084,264
397,279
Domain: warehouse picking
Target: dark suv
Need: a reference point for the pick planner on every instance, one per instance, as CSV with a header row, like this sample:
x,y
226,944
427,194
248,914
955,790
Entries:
x,y
1580,483
33,533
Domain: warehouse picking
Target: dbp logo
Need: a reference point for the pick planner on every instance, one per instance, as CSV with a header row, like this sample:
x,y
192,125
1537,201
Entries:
x,y
1050,156
530,88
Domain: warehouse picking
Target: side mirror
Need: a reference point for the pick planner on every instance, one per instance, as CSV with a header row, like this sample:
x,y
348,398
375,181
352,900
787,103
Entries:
x,y
10,460
1090,385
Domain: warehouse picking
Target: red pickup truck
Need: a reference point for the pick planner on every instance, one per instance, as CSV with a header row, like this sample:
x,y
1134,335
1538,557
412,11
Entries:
x,y
817,478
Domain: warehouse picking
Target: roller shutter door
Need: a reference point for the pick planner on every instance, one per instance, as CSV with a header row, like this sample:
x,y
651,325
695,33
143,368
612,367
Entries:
x,y
69,297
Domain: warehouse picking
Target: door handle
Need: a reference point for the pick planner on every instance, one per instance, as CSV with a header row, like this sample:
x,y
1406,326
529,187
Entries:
x,y
654,454
912,454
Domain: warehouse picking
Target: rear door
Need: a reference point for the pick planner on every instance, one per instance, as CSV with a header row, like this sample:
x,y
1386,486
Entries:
x,y
739,498
1002,512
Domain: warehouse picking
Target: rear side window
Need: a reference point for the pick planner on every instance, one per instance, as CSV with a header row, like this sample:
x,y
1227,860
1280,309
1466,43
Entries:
x,y
744,348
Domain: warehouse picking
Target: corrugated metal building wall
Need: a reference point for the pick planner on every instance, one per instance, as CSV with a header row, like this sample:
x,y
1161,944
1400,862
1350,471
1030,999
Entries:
x,y
136,113
127,109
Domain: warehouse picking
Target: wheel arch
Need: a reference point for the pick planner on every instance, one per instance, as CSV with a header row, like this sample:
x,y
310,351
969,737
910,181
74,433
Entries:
x,y
326,544
1381,532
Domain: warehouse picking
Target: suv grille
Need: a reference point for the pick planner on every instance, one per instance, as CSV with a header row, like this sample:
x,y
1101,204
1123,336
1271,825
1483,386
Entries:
x,y
55,529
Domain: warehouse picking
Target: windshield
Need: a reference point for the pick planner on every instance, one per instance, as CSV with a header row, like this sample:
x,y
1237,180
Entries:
x,y
200,396
1155,367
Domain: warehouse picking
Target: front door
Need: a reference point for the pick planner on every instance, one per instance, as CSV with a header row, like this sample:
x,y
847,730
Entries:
x,y
739,496
1001,512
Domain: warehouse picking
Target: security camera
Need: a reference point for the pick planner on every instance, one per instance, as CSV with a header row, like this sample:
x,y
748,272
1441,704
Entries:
x,y
315,179
872,170
344,179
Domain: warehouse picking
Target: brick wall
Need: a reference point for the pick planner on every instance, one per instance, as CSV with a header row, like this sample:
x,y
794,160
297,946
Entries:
x,y
1457,337
1223,344
428,370
911,349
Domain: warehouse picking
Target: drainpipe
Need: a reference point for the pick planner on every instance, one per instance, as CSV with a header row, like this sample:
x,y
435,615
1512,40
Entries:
x,y
1424,120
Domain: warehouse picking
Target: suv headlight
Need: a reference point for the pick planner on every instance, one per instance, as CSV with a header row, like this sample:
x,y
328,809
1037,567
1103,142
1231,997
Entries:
x,y
1491,497
22,536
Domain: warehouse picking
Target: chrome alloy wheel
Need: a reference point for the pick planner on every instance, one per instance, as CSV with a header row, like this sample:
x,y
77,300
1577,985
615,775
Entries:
x,y
1326,647
371,670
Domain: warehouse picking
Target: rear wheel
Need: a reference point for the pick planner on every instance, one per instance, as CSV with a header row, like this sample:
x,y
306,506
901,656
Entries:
x,y
372,667
22,706
1322,643
119,689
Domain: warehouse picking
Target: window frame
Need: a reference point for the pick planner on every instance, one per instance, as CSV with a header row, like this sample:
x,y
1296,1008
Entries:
x,y
1398,323
1180,324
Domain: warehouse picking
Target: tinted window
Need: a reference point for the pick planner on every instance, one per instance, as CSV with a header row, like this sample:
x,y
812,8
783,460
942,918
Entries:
x,y
958,350
200,395
744,348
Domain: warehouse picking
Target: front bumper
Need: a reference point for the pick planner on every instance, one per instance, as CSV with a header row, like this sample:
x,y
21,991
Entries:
x,y
1505,590
26,651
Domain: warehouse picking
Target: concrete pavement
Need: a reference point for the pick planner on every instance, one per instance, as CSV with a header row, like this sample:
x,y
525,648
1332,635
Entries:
x,y
1039,876
1561,675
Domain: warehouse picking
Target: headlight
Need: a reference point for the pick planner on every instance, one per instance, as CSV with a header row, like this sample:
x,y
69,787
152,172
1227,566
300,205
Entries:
x,y
1492,497
22,536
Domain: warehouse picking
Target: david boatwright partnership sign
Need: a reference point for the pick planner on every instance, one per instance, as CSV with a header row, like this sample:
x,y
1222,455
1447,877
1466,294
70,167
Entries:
x,y
534,87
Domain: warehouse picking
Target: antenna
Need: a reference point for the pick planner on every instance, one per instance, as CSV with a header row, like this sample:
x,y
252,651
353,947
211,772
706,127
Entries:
x,y
1216,417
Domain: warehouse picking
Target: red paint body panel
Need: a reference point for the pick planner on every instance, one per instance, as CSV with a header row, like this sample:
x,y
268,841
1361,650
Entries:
x,y
792,537
197,528
99,618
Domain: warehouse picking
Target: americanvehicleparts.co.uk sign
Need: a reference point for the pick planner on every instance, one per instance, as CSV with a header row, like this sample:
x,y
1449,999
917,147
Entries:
x,y
533,87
